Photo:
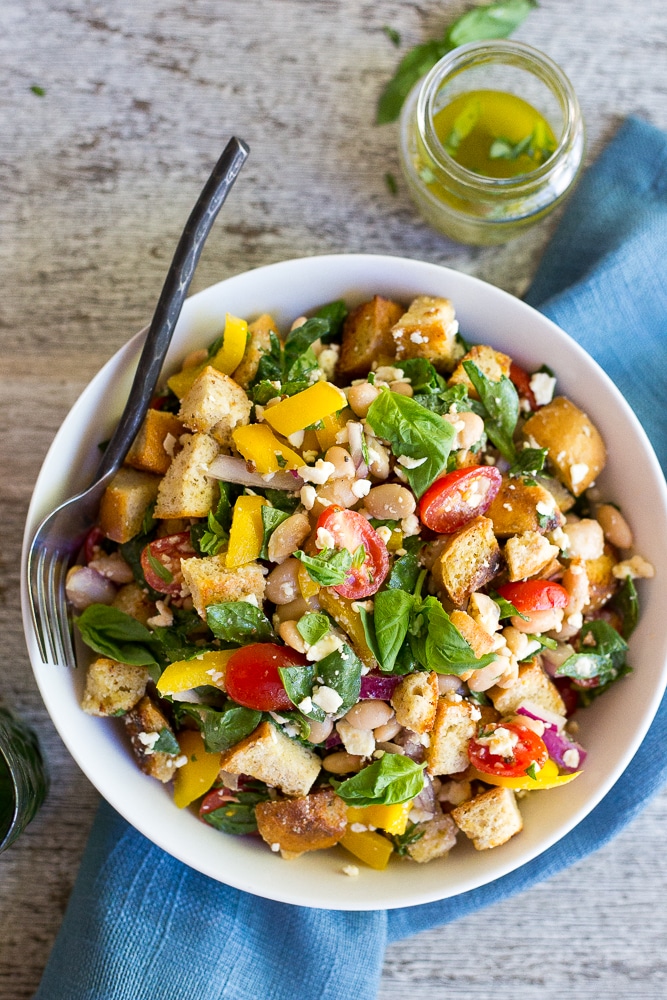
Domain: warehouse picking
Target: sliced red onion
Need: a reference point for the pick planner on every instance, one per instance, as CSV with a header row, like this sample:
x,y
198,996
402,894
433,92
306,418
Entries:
x,y
85,586
551,720
373,686
556,741
356,443
231,469
332,741
426,800
410,744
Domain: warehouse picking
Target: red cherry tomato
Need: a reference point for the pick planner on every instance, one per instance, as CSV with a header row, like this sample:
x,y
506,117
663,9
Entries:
x,y
568,693
161,562
349,530
521,380
529,749
535,595
458,497
252,677
216,800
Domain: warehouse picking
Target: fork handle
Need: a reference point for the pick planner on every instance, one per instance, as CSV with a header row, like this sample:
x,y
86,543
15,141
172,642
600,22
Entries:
x,y
170,303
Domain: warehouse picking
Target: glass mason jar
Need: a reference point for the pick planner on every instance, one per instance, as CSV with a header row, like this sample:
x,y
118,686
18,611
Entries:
x,y
24,780
468,206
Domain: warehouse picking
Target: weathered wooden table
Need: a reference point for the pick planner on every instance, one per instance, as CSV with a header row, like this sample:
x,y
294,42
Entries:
x,y
98,176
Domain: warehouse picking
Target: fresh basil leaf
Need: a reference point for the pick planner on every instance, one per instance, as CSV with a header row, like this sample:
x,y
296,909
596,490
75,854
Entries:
x,y
501,403
271,518
626,602
415,432
335,314
602,655
391,615
529,461
237,816
341,670
463,125
298,683
298,342
402,841
423,376
221,729
330,568
413,66
313,626
148,522
405,571
270,367
507,609
438,645
393,35
283,500
497,20
113,633
239,623
479,698
392,779
391,182
531,771
538,145
544,641
368,623
131,553
166,743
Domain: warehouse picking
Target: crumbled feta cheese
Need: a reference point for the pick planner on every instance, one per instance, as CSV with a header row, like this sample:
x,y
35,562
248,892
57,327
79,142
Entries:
x,y
387,373
358,828
578,473
361,487
306,706
164,618
181,761
275,848
324,539
309,456
418,338
571,757
410,525
327,698
319,473
308,496
425,739
327,360
542,386
544,508
350,870
410,463
360,742
169,444
148,741
635,568
501,741
385,533
329,643
296,439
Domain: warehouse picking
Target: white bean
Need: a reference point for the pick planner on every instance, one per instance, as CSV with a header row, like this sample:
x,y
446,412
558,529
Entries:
x,y
539,621
287,537
282,585
385,733
402,388
342,462
320,731
369,714
390,502
361,396
336,491
616,529
342,762
290,635
296,609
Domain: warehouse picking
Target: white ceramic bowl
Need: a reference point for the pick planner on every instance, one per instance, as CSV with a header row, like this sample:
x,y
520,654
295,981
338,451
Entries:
x,y
611,729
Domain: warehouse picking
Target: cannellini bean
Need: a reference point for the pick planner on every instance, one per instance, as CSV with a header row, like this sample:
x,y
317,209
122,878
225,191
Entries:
x,y
282,585
369,714
469,428
336,491
586,538
378,464
540,621
361,396
287,537
390,502
486,677
448,682
386,733
402,388
320,731
342,762
616,529
342,462
299,321
295,609
575,581
290,635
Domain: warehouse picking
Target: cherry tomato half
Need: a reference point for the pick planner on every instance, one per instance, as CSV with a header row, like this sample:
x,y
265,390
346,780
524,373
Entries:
x,y
216,800
252,677
535,595
521,380
529,749
458,497
161,562
350,530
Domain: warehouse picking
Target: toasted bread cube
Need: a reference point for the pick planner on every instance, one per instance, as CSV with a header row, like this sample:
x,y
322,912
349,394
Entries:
x,y
133,600
152,449
527,554
124,503
210,582
455,723
270,756
602,583
186,490
438,836
112,687
515,510
575,449
481,641
469,559
259,343
143,720
215,405
310,823
493,364
532,684
367,337
415,699
490,819
428,330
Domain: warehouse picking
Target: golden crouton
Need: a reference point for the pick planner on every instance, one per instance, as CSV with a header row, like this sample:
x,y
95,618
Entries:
x,y
469,559
142,721
490,819
532,684
602,583
215,405
367,337
515,510
528,554
481,641
259,343
210,582
148,451
133,600
270,756
186,490
305,824
112,687
414,700
491,363
576,452
437,837
124,503
428,330
456,723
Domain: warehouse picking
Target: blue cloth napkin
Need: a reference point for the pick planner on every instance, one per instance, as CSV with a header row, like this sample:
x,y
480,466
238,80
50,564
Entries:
x,y
142,926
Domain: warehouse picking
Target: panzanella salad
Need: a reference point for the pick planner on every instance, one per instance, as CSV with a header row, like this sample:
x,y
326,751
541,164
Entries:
x,y
353,582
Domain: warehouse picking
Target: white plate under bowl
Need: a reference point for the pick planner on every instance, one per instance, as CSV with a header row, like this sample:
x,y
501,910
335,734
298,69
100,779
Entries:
x,y
611,729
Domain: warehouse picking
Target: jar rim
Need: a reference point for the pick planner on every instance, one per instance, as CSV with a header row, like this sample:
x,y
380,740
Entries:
x,y
478,53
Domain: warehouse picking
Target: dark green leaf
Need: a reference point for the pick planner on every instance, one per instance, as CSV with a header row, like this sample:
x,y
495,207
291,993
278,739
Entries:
x,y
237,817
270,366
298,343
282,500
39,91
402,841
626,602
393,35
602,654
501,403
392,779
529,461
413,66
222,730
298,683
111,632
239,623
148,522
391,614
341,670
335,314
313,626
438,645
531,771
507,609
405,571
166,743
271,518
391,182
423,376
159,568
330,568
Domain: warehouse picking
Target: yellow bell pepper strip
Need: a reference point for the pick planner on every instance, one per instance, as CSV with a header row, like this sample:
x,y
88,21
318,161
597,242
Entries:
x,y
182,381
196,777
307,586
546,777
259,445
372,848
307,407
392,819
332,425
247,531
183,675
234,341
342,612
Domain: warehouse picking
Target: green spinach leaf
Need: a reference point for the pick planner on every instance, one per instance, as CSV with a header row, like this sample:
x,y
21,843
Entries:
x,y
239,623
341,670
238,815
313,626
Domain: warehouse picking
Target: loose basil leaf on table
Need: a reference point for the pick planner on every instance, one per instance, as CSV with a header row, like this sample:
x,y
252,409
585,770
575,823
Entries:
x,y
388,781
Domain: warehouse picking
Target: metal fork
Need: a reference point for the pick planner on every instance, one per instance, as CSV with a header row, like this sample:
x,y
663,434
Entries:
x,y
60,535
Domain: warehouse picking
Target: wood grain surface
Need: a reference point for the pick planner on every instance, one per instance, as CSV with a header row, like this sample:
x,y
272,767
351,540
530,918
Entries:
x,y
98,176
